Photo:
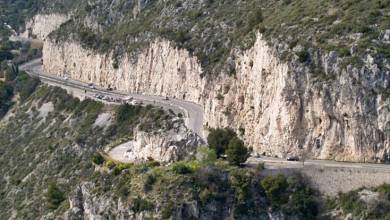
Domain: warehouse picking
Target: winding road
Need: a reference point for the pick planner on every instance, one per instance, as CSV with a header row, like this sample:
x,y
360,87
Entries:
x,y
193,113
193,116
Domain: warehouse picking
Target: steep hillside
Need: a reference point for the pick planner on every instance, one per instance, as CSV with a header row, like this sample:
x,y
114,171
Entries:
x,y
17,12
211,29
300,85
52,168
286,75
52,165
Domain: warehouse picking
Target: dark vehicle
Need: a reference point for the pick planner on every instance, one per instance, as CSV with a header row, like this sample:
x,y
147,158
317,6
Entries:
x,y
292,158
91,86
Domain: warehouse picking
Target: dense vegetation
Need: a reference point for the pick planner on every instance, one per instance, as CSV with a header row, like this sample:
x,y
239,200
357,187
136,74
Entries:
x,y
209,183
225,141
211,29
14,82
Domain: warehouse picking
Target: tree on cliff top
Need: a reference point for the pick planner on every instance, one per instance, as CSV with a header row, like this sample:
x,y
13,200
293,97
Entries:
x,y
219,139
236,152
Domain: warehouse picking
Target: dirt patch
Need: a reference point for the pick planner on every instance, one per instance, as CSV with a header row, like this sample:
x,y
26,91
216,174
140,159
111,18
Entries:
x,y
103,120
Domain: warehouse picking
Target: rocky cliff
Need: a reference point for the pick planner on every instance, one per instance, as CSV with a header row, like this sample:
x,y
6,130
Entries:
x,y
175,144
278,107
42,25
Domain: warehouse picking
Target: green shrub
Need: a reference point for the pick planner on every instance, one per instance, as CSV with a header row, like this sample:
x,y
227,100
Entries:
x,y
120,167
98,159
384,190
149,181
275,188
218,139
241,181
206,195
167,211
303,56
5,55
255,18
303,204
54,196
6,93
123,191
127,112
236,152
110,164
25,85
11,73
139,204
181,168
206,155
351,203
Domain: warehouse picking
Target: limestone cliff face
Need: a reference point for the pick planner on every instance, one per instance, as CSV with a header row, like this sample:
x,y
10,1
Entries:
x,y
160,69
177,143
41,25
277,107
282,107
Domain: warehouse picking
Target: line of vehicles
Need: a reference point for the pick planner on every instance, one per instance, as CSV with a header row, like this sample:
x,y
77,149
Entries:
x,y
126,100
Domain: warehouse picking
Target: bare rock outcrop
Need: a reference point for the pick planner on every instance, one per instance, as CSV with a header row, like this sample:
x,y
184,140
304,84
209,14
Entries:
x,y
176,144
278,107
41,25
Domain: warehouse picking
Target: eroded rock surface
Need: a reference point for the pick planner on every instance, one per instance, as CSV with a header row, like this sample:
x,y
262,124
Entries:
x,y
278,107
41,25
175,144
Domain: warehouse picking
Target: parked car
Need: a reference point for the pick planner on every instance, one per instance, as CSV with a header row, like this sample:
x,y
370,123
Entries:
x,y
128,98
135,102
99,96
292,158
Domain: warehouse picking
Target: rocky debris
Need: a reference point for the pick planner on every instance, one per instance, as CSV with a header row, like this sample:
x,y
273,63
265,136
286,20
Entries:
x,y
103,120
175,144
45,109
368,196
386,37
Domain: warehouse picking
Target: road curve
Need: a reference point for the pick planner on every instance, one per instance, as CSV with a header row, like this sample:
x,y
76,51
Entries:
x,y
193,116
193,113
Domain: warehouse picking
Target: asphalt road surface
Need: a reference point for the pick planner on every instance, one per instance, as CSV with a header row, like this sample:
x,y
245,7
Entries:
x,y
193,113
276,163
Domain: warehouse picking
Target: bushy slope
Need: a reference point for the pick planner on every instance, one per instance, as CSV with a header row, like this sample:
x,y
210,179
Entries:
x,y
363,203
48,153
211,29
50,136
